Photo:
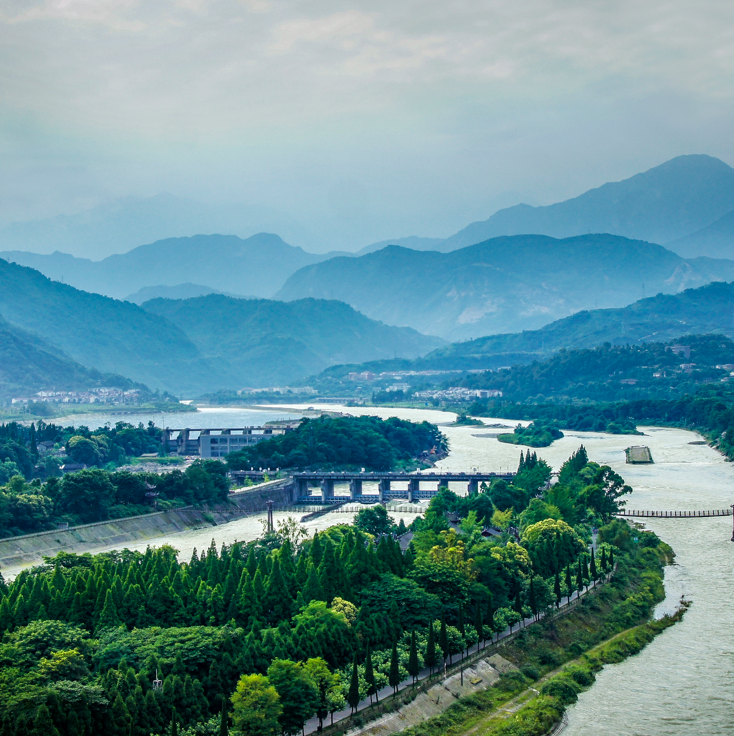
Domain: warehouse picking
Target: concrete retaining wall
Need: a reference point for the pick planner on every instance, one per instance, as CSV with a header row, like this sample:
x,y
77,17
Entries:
x,y
30,549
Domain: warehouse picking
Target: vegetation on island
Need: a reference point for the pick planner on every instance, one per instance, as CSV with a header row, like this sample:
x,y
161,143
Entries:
x,y
539,433
286,627
340,442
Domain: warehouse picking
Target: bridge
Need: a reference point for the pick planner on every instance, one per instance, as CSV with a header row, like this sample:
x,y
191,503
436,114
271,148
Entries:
x,y
386,491
675,514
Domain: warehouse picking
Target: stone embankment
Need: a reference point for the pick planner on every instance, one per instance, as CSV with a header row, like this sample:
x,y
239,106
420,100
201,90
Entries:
x,y
30,549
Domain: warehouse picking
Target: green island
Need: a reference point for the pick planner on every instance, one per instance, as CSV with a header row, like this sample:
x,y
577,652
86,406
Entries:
x,y
539,433
264,636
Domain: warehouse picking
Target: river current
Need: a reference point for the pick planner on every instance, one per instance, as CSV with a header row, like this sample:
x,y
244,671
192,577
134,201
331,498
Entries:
x,y
680,684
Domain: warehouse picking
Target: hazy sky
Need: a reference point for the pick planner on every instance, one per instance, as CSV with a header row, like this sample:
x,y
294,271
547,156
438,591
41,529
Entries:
x,y
361,121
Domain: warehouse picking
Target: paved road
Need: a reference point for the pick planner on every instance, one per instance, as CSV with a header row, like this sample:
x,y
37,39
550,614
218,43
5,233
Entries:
x,y
313,724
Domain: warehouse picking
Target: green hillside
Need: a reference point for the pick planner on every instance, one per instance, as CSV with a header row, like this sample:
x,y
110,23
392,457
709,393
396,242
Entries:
x,y
29,364
507,284
267,343
99,332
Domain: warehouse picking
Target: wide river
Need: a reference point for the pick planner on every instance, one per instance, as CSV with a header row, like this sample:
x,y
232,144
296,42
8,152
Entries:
x,y
683,682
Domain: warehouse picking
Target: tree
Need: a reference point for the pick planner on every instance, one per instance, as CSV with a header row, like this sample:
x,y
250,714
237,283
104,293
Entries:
x,y
353,695
603,559
87,494
413,666
299,696
443,639
43,724
592,566
257,707
223,729
532,599
394,677
557,589
569,587
374,520
327,683
369,674
431,659
489,618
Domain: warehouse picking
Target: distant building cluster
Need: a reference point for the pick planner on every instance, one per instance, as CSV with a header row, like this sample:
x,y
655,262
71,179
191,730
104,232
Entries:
x,y
104,395
456,393
277,390
369,376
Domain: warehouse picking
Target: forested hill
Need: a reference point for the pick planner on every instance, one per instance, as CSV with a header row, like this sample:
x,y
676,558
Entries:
x,y
99,332
267,343
29,364
616,372
708,309
502,285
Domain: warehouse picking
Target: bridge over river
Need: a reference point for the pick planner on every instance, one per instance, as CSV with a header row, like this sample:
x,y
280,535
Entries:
x,y
675,514
387,485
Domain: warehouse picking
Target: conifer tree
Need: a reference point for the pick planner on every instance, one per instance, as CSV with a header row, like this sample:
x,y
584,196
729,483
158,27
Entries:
x,y
603,559
394,677
353,694
532,599
369,674
557,589
579,577
479,623
611,558
413,666
431,659
489,618
568,582
108,619
585,572
592,566
43,724
223,729
443,639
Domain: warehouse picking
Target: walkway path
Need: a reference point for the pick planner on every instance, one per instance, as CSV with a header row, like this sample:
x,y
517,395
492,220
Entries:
x,y
387,692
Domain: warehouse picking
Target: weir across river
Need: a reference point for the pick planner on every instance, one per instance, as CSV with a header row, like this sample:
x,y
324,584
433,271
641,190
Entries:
x,y
387,483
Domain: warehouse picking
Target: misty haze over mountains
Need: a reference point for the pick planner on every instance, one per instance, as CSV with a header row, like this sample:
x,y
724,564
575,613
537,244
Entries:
x,y
521,269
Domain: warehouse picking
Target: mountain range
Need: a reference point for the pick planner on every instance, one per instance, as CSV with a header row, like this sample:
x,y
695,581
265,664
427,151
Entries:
x,y
270,343
193,345
503,285
256,266
706,310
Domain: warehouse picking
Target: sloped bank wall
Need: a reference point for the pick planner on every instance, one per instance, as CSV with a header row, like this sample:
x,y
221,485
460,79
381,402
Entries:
x,y
30,549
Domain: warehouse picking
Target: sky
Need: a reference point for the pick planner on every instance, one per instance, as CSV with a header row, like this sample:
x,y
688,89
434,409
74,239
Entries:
x,y
354,121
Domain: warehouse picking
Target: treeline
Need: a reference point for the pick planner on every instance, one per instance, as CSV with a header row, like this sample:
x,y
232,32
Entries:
x,y
368,442
107,446
649,371
709,411
96,495
289,627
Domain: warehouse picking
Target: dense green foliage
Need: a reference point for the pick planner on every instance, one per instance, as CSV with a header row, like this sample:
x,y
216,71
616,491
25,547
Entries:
x,y
628,601
539,433
614,373
96,494
88,634
369,442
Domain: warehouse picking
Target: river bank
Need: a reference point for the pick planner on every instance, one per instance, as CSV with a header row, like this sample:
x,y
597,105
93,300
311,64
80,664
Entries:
x,y
530,692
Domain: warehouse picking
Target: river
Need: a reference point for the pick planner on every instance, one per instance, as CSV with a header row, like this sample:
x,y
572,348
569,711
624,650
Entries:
x,y
683,682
